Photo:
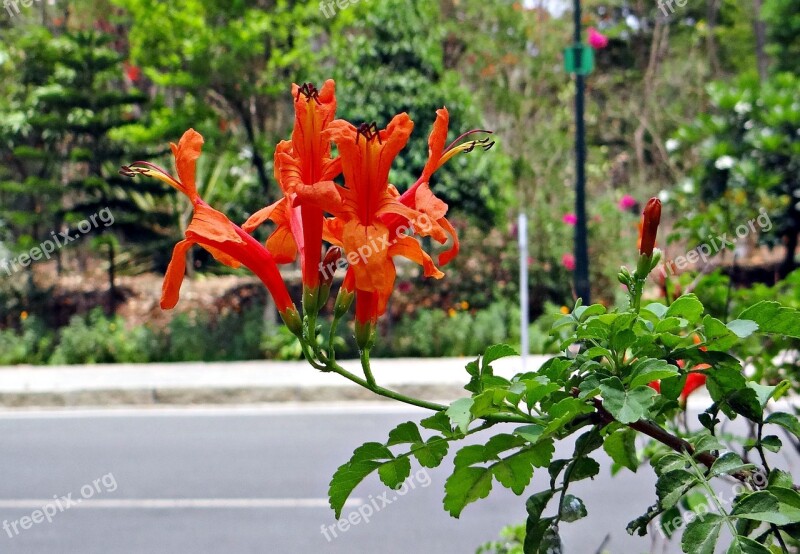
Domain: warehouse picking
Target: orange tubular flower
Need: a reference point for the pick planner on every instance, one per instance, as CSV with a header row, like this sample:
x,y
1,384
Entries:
x,y
299,164
227,242
361,210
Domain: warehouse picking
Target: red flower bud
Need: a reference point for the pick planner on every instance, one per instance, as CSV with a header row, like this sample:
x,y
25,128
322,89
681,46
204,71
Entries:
x,y
651,217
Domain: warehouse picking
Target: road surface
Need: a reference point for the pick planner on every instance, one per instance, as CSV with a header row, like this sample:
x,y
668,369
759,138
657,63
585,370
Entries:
x,y
253,480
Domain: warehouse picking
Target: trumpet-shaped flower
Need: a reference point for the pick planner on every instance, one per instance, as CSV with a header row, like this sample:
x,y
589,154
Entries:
x,y
210,229
302,163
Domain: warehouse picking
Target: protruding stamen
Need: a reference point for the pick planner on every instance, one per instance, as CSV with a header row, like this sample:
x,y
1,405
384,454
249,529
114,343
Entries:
x,y
466,147
150,170
465,135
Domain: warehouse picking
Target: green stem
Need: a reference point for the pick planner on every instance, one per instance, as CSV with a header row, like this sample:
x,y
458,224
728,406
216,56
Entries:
x,y
701,476
367,369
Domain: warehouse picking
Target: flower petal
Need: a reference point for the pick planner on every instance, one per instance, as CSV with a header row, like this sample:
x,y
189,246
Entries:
x,y
282,245
170,289
264,214
186,154
410,248
209,225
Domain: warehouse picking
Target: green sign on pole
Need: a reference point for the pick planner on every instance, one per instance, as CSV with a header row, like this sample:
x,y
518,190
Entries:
x,y
579,59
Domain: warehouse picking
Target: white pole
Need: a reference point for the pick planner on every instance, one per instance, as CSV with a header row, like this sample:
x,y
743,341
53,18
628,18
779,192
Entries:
x,y
523,287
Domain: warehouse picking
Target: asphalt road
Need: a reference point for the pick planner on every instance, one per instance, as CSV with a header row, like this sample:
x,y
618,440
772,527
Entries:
x,y
252,481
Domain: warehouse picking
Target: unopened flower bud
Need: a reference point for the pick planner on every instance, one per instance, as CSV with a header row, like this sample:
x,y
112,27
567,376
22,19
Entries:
x,y
291,317
651,217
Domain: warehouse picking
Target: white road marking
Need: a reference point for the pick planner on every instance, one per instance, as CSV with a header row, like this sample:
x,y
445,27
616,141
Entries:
x,y
179,503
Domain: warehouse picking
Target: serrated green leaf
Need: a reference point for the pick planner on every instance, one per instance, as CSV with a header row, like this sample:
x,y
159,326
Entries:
x,y
366,459
459,413
669,462
627,406
660,310
773,318
466,485
744,545
405,433
647,370
394,472
743,328
745,402
583,468
551,541
495,352
670,486
431,453
530,433
469,455
723,381
706,443
621,448
670,325
572,508
787,421
701,534
514,472
762,506
687,307
728,463
438,422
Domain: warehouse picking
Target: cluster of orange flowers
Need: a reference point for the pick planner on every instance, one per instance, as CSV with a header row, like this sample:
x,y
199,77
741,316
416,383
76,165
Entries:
x,y
364,218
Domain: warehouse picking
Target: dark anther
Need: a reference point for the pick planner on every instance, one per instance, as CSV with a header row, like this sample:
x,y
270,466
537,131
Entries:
x,y
369,130
128,171
309,91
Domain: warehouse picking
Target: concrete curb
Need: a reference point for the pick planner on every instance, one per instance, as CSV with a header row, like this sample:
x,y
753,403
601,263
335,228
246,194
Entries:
x,y
219,396
239,383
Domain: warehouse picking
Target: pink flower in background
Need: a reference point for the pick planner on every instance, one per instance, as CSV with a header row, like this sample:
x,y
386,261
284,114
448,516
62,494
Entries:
x,y
570,219
568,261
627,202
597,40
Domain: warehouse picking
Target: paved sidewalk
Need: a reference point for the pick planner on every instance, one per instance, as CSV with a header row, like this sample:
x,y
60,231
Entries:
x,y
232,383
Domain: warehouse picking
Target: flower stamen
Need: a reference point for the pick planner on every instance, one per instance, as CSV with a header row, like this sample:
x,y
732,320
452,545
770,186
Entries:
x,y
310,92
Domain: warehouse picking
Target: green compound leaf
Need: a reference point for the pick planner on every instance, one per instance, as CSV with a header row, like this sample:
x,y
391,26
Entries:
x,y
627,406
